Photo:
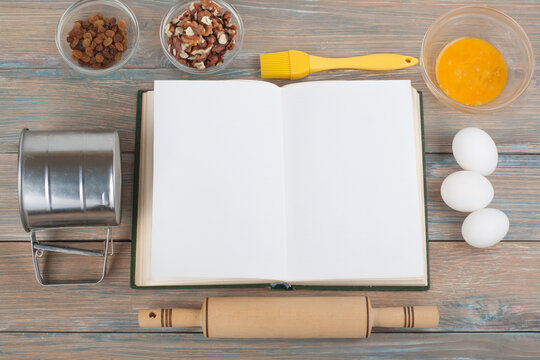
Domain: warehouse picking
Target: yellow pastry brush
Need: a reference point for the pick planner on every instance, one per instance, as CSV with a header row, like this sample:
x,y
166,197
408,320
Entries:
x,y
295,64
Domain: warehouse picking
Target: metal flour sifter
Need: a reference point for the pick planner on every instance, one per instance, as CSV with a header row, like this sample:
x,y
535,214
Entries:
x,y
69,179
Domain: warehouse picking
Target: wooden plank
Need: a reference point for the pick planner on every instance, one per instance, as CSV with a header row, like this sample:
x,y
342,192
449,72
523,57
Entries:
x,y
362,27
186,346
514,182
56,99
517,193
494,289
359,28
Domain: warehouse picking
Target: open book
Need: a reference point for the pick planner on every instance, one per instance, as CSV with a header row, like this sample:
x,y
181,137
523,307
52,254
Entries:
x,y
312,184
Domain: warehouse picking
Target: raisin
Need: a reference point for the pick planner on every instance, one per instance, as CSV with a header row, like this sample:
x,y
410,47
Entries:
x,y
99,57
122,25
92,19
97,41
76,33
74,43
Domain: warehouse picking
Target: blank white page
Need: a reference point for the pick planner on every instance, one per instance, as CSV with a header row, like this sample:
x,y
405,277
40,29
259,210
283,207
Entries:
x,y
352,195
218,197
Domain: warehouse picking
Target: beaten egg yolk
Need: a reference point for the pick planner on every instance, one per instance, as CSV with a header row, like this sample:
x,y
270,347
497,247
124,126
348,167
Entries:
x,y
471,71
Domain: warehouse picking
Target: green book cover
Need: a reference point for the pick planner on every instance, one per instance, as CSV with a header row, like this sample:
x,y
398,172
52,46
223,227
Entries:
x,y
273,286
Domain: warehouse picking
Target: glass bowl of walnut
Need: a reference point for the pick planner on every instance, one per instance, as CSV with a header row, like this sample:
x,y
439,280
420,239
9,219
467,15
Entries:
x,y
201,37
97,37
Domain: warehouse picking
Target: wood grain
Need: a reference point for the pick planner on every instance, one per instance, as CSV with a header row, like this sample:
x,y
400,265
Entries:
x,y
515,182
517,192
186,346
59,99
43,93
494,289
325,27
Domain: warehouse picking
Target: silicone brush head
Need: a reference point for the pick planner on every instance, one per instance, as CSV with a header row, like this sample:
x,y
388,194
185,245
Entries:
x,y
290,64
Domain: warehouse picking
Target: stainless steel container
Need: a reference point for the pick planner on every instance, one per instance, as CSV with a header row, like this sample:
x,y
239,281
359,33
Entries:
x,y
69,179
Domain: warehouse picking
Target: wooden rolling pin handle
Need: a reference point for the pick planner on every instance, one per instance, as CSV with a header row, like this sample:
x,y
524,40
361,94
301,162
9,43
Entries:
x,y
169,317
406,316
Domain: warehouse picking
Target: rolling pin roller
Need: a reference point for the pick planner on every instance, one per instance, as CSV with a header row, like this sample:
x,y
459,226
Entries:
x,y
287,317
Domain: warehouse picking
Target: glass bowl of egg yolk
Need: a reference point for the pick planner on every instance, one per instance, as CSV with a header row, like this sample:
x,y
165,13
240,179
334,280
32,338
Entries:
x,y
476,59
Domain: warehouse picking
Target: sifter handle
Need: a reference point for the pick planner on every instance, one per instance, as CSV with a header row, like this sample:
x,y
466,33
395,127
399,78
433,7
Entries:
x,y
38,249
406,316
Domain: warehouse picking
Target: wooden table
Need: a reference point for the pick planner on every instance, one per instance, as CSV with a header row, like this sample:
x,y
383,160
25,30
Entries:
x,y
489,299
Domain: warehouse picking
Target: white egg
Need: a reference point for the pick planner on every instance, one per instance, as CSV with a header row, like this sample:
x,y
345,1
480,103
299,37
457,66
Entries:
x,y
475,150
466,191
485,227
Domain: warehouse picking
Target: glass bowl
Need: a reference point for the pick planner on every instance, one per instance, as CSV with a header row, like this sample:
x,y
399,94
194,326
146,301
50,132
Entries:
x,y
486,24
228,57
80,10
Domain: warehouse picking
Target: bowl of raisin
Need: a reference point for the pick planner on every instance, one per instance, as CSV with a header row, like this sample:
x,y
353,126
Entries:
x,y
97,37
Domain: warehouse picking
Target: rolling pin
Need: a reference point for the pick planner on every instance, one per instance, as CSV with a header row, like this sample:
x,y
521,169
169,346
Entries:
x,y
288,317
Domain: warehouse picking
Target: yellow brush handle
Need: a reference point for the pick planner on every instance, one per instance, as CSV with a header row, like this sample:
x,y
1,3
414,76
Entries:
x,y
367,62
